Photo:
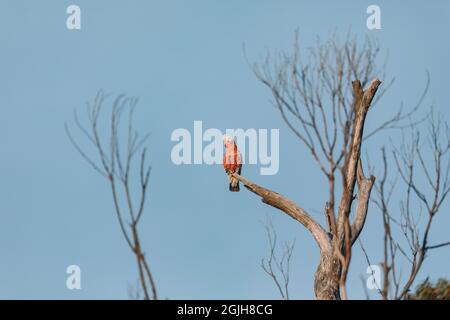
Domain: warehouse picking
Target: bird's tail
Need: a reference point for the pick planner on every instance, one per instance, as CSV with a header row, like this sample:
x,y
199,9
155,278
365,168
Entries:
x,y
234,185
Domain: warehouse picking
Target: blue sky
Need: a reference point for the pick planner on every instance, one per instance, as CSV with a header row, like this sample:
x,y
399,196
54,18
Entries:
x,y
185,61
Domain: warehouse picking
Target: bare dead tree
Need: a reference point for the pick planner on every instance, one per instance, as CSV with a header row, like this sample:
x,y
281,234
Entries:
x,y
323,102
115,161
414,159
278,269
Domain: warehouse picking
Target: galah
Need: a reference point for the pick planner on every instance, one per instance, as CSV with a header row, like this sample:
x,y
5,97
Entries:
x,y
232,162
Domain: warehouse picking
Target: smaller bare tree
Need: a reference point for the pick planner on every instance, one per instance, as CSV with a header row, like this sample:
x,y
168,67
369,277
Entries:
x,y
278,268
116,165
431,160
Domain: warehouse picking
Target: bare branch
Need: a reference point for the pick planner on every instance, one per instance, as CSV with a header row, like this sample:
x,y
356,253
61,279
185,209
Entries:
x,y
282,265
282,203
436,246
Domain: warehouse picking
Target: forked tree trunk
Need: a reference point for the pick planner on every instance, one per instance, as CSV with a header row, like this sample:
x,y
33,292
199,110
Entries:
x,y
331,273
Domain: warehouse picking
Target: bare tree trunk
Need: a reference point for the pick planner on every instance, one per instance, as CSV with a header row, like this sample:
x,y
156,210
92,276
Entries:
x,y
326,280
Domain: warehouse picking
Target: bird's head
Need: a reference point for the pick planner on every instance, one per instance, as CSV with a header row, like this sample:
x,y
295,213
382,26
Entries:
x,y
227,140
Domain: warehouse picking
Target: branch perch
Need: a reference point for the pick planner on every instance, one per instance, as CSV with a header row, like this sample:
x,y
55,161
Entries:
x,y
289,207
